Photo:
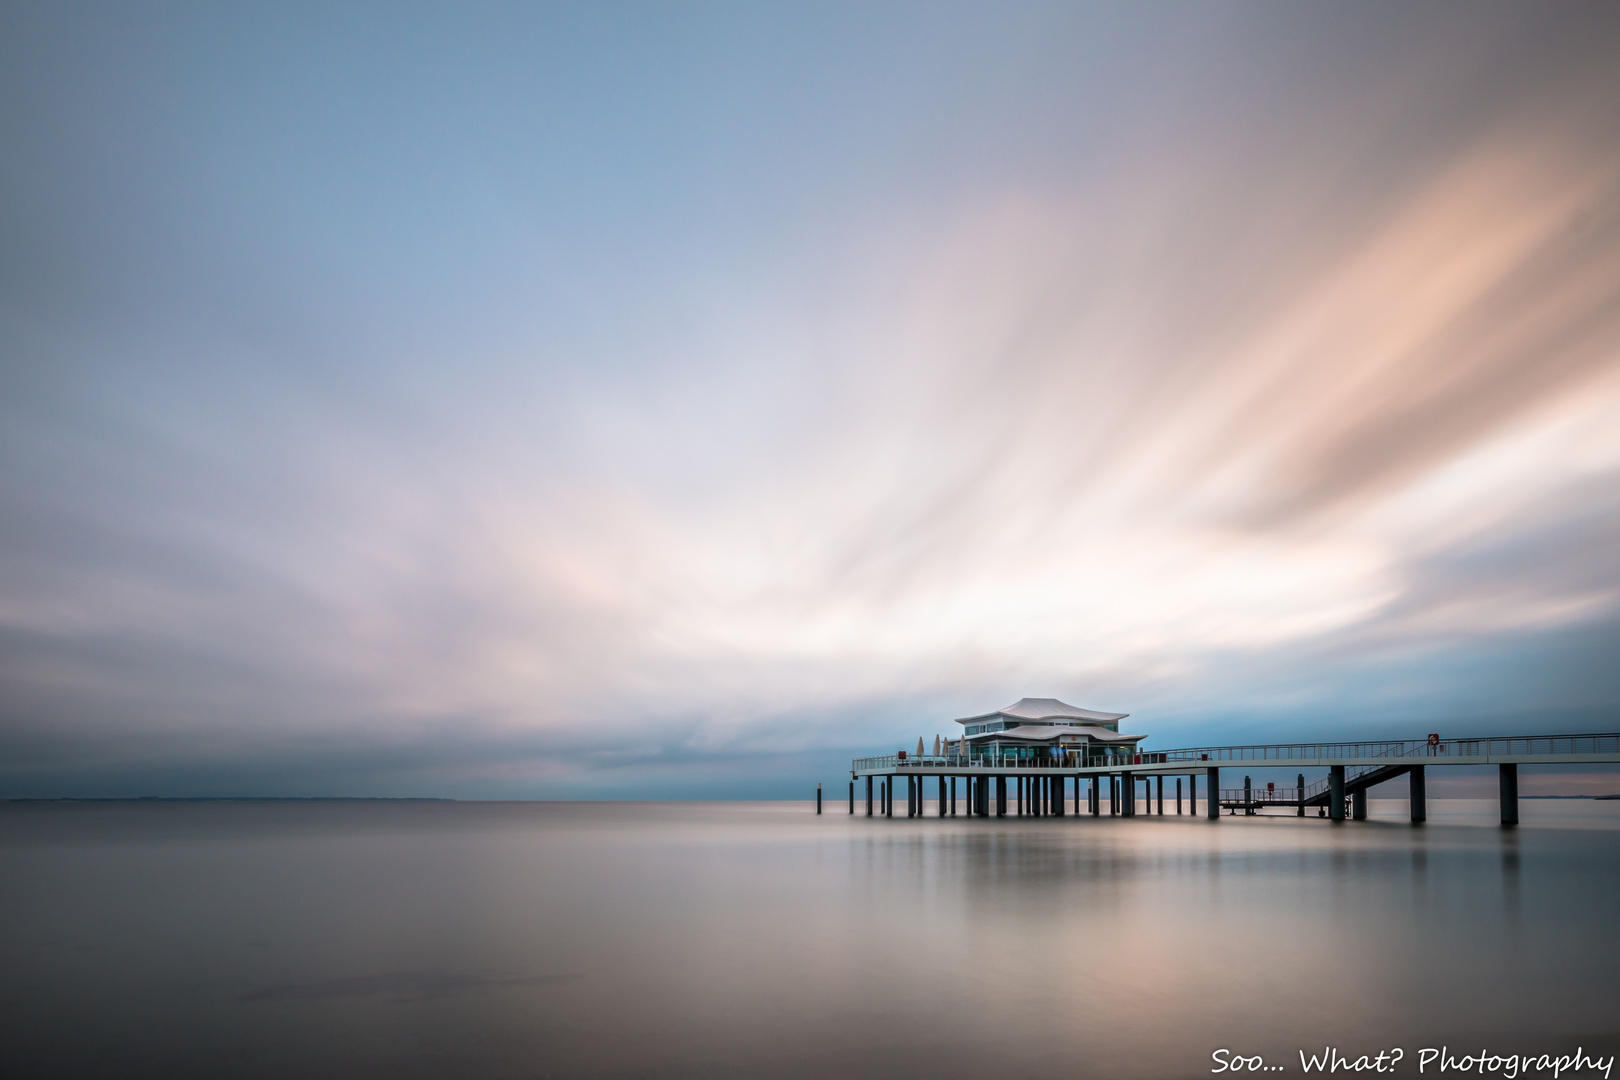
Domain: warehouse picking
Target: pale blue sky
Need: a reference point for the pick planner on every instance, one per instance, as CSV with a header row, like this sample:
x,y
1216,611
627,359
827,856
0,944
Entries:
x,y
650,400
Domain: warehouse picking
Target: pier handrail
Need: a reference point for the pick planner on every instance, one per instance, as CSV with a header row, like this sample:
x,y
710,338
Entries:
x,y
1262,754
1493,746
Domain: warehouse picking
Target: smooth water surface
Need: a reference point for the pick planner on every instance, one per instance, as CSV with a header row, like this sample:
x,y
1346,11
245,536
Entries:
x,y
720,940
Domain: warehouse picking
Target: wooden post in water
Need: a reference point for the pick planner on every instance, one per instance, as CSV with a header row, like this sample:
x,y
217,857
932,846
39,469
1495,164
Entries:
x,y
1508,785
1420,800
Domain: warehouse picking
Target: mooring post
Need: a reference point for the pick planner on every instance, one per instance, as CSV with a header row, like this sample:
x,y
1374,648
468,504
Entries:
x,y
1336,793
1178,796
1358,804
869,796
1419,797
1300,788
1212,793
818,798
1508,782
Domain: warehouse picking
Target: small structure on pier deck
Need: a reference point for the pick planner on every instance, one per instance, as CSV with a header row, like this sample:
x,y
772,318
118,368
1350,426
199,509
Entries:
x,y
1043,730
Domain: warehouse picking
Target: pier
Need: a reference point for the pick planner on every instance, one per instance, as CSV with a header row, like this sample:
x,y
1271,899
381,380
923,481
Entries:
x,y
996,784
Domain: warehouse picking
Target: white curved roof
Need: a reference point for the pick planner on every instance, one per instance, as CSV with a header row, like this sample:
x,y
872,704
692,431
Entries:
x,y
1046,734
1047,708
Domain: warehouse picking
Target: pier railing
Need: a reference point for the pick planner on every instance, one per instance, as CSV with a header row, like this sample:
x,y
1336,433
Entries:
x,y
1607,743
1514,746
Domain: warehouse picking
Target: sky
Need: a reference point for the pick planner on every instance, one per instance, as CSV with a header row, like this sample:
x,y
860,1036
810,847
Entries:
x,y
664,401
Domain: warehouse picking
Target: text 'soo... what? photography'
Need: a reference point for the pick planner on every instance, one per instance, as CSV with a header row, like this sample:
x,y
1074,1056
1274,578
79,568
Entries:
x,y
724,540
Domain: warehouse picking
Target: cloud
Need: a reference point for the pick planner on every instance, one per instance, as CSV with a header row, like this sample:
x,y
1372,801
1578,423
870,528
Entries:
x,y
1246,390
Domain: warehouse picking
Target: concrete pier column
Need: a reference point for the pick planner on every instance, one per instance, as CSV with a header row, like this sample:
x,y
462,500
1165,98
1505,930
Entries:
x,y
1248,797
942,796
953,796
1508,783
1001,796
1113,795
818,798
1078,785
1161,794
1212,794
1300,797
1419,796
1358,805
868,796
1096,795
1127,791
1022,784
852,797
1058,796
1178,796
1336,793
1192,794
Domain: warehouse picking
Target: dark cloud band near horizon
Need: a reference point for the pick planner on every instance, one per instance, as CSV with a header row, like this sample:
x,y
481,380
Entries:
x,y
571,401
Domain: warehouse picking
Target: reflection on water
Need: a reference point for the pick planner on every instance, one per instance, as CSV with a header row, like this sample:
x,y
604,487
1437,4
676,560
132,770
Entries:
x,y
454,939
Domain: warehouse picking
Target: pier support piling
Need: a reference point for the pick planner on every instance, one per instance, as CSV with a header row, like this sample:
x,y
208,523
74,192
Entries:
x,y
1508,784
1127,789
852,798
868,796
1001,796
1178,796
1336,792
1248,798
1419,796
818,799
1212,795
1358,805
1161,795
942,796
1299,786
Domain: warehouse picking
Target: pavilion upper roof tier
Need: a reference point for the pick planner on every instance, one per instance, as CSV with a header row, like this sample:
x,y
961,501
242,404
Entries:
x,y
1035,709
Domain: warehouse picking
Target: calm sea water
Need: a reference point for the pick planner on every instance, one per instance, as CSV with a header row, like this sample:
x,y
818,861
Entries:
x,y
721,940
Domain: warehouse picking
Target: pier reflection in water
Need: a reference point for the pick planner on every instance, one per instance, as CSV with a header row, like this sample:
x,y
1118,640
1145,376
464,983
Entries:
x,y
758,939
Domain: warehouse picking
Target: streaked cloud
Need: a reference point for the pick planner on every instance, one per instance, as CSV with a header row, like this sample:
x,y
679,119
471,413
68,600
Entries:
x,y
727,396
